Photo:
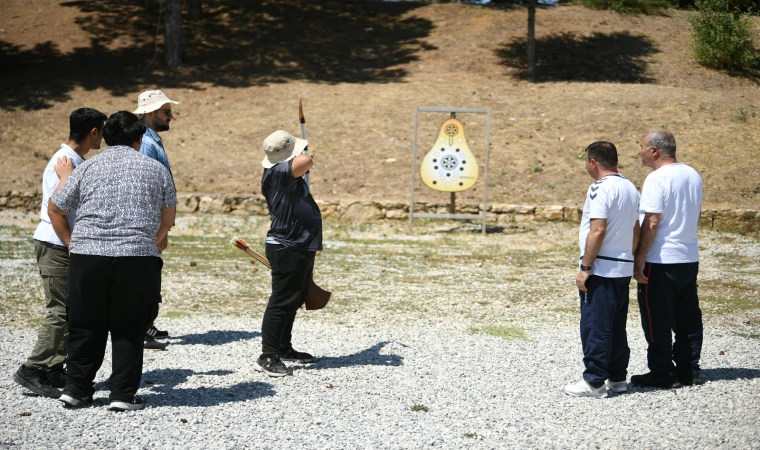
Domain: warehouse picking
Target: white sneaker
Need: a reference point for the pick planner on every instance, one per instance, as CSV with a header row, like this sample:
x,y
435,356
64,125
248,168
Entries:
x,y
616,386
583,389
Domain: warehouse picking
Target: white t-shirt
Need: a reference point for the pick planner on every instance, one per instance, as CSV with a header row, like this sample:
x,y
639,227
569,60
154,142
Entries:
x,y
675,191
615,199
44,231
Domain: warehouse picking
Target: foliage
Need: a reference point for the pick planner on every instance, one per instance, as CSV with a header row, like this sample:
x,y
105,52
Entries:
x,y
628,6
721,35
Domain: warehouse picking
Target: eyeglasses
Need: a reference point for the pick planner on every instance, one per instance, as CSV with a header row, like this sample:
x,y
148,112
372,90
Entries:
x,y
168,112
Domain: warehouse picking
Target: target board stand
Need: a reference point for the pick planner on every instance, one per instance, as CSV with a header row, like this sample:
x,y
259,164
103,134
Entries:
x,y
450,166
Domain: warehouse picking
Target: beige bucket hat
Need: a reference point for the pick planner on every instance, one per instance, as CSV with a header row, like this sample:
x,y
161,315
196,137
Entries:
x,y
150,101
282,146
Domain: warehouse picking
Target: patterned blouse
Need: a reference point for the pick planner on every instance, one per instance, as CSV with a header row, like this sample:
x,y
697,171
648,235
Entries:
x,y
118,196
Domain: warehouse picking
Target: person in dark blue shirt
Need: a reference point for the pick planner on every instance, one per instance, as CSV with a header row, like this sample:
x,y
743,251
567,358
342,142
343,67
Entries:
x,y
294,237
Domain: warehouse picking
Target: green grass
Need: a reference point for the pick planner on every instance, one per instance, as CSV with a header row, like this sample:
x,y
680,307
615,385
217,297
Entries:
x,y
508,333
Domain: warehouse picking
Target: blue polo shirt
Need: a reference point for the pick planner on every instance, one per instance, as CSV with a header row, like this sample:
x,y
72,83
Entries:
x,y
153,147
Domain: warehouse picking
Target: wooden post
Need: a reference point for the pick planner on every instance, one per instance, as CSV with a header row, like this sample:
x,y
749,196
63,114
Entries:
x,y
532,40
173,41
453,203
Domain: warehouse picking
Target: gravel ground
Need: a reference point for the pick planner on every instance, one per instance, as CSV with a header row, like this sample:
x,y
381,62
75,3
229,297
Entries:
x,y
474,391
445,338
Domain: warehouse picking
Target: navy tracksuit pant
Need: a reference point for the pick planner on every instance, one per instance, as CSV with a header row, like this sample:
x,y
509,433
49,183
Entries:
x,y
604,310
669,304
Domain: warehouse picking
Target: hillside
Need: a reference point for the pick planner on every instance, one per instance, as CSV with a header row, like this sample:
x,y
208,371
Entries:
x,y
362,68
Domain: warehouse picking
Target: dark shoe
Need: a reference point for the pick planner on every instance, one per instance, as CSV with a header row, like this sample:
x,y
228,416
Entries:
x,y
272,365
299,357
155,333
36,381
121,405
692,379
152,344
69,401
57,377
650,380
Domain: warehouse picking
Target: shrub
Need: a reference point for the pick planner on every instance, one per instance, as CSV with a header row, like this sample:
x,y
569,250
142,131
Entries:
x,y
628,6
721,35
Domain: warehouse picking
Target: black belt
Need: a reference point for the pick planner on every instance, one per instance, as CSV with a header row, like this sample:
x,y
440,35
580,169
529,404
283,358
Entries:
x,y
607,258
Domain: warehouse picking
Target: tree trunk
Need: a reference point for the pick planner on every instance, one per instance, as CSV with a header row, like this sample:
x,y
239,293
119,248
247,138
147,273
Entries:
x,y
173,42
195,9
532,40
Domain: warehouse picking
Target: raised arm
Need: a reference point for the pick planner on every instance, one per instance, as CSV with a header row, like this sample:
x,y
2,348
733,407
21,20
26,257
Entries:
x,y
302,164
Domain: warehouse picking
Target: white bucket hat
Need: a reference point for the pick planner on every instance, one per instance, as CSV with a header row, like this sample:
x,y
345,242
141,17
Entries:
x,y
150,101
282,146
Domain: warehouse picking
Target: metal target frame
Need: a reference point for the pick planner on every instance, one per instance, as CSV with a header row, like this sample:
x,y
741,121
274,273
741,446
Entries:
x,y
416,166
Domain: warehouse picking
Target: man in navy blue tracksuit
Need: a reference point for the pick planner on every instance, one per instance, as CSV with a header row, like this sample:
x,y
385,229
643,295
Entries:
x,y
609,229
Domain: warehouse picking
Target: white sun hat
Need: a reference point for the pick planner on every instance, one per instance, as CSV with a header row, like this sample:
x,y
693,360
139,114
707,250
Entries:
x,y
282,146
150,101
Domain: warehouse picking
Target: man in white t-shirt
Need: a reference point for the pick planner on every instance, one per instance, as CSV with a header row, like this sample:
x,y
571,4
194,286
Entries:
x,y
666,265
608,233
43,372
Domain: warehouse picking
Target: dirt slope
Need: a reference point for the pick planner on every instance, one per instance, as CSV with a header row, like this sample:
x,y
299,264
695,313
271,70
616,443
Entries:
x,y
362,68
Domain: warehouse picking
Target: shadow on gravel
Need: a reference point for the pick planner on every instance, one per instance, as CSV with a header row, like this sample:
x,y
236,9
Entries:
x,y
368,357
216,337
730,374
162,392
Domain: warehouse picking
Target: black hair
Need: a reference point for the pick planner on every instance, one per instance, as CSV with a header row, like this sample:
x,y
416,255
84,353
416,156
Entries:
x,y
123,128
82,121
604,153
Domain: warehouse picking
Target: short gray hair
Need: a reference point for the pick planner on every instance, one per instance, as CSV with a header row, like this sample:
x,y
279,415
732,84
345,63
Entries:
x,y
664,140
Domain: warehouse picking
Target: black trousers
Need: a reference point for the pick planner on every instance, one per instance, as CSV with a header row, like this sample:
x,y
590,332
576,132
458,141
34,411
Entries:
x,y
669,305
291,276
604,312
109,294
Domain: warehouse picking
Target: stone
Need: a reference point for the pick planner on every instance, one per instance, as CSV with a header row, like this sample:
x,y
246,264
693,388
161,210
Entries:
x,y
573,214
550,213
363,212
396,214
214,205
187,204
501,208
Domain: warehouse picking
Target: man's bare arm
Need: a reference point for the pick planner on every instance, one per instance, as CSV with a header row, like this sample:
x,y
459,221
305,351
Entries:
x,y
59,222
597,232
167,220
302,164
646,238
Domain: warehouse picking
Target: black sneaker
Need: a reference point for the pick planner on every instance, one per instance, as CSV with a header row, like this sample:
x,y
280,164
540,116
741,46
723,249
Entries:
x,y
70,401
156,333
691,379
36,381
651,380
152,344
272,365
57,377
121,405
294,356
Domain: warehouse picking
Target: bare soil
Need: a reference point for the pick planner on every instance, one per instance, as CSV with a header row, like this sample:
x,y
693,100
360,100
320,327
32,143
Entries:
x,y
362,68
